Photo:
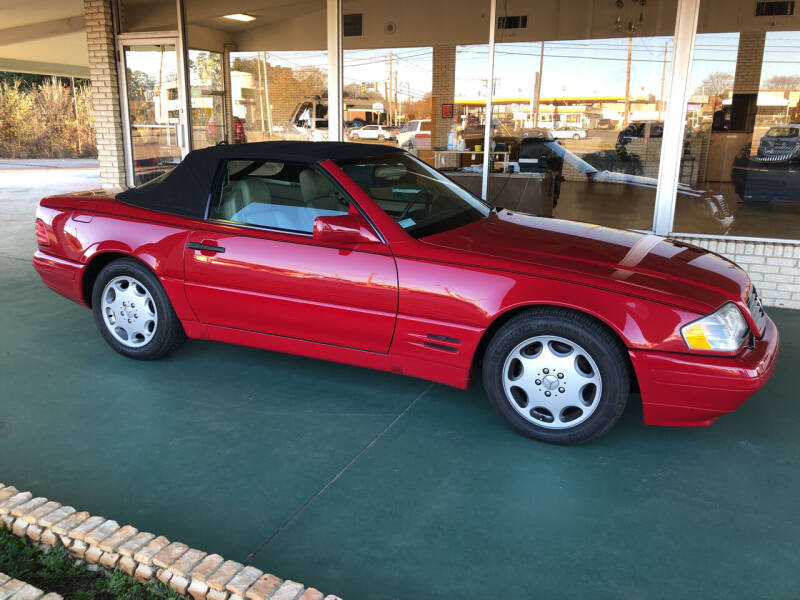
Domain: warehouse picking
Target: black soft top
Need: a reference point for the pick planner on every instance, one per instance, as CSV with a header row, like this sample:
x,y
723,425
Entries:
x,y
184,191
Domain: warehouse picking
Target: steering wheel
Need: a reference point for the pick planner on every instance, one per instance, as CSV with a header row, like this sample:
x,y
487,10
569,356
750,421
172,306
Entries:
x,y
407,208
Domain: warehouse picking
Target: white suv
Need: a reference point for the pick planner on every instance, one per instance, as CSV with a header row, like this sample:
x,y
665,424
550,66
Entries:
x,y
373,132
412,128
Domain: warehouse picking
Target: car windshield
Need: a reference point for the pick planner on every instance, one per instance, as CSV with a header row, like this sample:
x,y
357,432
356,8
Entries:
x,y
420,199
783,132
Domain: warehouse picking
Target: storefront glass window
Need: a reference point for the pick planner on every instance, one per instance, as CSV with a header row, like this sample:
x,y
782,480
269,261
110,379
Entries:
x,y
404,73
279,95
264,75
743,125
207,89
577,117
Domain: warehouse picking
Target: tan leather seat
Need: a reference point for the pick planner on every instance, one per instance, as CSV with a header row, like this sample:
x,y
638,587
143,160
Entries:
x,y
318,192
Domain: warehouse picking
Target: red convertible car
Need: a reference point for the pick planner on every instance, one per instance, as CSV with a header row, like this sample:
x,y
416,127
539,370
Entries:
x,y
365,255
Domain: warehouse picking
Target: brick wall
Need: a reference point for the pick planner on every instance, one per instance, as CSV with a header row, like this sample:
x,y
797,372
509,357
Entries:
x,y
774,268
105,93
443,86
748,63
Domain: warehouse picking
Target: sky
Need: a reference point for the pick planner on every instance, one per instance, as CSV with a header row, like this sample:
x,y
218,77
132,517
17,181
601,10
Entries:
x,y
570,68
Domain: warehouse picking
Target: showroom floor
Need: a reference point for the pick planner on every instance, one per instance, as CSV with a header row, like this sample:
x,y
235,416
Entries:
x,y
226,448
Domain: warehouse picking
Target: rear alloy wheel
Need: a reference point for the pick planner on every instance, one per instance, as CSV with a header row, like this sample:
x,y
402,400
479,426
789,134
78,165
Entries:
x,y
576,137
353,136
557,376
381,137
133,312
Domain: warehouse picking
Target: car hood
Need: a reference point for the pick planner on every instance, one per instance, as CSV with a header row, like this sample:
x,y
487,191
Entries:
x,y
626,261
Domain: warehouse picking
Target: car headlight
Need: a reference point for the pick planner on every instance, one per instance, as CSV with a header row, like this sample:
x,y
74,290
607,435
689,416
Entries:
x,y
725,329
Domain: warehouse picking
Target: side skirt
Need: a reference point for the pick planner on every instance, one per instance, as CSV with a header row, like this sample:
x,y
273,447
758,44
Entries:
x,y
413,367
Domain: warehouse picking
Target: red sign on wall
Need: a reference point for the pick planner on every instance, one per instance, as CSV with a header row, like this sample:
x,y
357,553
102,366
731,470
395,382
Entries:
x,y
447,111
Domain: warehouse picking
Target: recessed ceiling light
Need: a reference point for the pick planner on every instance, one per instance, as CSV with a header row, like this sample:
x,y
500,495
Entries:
x,y
240,17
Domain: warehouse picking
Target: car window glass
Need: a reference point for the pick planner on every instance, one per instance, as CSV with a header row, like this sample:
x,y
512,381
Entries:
x,y
275,195
420,199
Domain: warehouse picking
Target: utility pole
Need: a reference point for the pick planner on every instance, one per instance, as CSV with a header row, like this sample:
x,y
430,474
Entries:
x,y
389,97
663,75
386,96
260,96
396,105
628,86
266,98
538,89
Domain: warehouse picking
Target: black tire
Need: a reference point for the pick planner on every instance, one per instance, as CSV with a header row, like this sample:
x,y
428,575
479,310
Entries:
x,y
602,345
168,333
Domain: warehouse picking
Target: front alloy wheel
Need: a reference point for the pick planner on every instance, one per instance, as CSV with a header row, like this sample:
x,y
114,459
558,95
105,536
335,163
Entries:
x,y
552,382
557,375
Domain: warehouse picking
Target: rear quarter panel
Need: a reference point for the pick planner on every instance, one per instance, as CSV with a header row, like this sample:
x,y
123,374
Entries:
x,y
84,231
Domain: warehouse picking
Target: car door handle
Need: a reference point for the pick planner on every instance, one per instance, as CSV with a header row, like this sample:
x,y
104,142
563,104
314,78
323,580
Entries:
x,y
206,247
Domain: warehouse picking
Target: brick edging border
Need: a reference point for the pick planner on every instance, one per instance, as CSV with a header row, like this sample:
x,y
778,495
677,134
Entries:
x,y
141,555
19,589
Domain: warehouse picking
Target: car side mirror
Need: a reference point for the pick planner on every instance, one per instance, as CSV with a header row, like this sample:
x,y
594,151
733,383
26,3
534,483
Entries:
x,y
343,229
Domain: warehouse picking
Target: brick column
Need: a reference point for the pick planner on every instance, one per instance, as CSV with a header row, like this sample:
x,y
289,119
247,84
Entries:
x,y
748,63
443,86
105,93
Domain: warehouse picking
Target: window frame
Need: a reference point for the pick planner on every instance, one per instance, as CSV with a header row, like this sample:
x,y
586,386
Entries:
x,y
216,191
216,187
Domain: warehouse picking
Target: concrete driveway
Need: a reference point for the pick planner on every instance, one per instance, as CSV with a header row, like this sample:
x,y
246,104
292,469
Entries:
x,y
371,485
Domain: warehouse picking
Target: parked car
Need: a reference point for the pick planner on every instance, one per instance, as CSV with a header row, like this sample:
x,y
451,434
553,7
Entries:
x,y
565,132
374,132
641,129
405,138
540,153
774,172
309,120
780,141
367,256
605,124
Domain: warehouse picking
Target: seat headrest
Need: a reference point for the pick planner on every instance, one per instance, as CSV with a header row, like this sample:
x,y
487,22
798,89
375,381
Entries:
x,y
313,185
390,172
253,190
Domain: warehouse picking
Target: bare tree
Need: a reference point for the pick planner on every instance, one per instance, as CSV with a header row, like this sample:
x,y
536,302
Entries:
x,y
715,84
782,82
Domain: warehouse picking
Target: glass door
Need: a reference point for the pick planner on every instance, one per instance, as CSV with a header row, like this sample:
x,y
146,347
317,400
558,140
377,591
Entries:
x,y
154,99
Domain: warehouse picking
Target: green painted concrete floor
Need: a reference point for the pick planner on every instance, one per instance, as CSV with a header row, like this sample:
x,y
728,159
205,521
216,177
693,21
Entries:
x,y
370,485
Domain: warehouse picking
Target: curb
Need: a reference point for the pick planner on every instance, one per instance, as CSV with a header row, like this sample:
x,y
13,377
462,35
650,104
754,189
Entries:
x,y
14,589
144,556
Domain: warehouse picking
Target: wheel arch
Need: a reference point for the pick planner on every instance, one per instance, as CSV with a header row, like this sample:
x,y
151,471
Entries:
x,y
505,316
96,264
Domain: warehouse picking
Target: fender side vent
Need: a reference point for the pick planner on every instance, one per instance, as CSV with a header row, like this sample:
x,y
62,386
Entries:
x,y
443,338
440,347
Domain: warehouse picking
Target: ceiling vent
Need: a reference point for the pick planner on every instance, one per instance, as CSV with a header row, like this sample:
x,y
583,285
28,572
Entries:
x,y
390,28
774,8
352,25
518,22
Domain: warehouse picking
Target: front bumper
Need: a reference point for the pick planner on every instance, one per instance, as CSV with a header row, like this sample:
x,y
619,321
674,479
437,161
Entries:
x,y
693,391
60,275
